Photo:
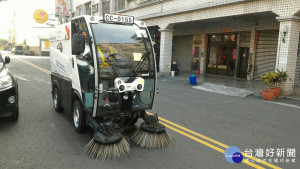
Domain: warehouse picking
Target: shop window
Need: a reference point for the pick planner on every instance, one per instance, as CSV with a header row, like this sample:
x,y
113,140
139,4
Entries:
x,y
212,62
225,37
215,38
120,4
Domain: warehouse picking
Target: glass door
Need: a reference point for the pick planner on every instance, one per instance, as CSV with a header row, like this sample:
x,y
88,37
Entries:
x,y
221,55
243,62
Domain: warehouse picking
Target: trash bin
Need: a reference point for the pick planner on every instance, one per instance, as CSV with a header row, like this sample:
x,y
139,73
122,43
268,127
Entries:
x,y
193,80
172,73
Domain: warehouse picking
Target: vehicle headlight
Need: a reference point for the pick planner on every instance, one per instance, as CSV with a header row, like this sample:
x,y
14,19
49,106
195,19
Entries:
x,y
5,81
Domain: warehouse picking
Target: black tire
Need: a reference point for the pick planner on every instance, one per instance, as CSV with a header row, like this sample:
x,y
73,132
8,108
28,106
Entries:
x,y
15,115
79,119
56,100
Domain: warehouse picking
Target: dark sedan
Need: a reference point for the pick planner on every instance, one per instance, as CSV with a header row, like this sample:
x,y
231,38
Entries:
x,y
8,92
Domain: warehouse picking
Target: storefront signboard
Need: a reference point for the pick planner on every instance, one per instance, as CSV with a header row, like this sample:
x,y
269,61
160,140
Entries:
x,y
40,16
45,46
226,31
62,8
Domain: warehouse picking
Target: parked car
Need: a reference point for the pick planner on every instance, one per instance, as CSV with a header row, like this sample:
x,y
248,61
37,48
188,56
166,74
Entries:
x,y
19,50
9,107
28,53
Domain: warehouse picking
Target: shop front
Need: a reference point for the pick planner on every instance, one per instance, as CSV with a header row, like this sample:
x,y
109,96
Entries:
x,y
221,54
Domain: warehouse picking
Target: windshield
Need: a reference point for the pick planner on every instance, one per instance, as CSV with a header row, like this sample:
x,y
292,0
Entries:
x,y
19,47
120,48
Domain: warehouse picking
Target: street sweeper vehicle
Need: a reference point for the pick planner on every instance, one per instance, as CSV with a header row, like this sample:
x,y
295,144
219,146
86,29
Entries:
x,y
104,72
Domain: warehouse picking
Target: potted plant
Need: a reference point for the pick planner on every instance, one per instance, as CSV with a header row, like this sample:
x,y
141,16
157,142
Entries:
x,y
267,79
275,83
281,77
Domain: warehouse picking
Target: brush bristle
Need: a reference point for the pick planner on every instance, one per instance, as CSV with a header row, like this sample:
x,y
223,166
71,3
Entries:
x,y
107,151
151,140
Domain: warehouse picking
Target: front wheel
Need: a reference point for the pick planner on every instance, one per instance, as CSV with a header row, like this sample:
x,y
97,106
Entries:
x,y
79,120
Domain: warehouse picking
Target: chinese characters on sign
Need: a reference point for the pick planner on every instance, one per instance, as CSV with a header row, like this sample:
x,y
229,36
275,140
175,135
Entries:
x,y
62,8
272,155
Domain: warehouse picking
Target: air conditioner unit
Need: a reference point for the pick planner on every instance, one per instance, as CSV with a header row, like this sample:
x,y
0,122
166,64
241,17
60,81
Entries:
x,y
95,7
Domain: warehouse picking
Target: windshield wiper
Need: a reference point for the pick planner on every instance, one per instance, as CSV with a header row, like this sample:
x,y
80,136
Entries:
x,y
141,64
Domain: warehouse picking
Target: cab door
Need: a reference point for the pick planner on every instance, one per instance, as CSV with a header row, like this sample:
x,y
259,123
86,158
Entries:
x,y
83,66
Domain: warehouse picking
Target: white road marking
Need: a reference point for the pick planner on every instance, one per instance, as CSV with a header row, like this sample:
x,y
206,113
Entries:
x,y
19,77
289,97
225,90
29,57
284,104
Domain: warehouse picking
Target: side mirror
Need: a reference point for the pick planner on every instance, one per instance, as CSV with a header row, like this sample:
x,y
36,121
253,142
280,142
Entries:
x,y
78,44
7,59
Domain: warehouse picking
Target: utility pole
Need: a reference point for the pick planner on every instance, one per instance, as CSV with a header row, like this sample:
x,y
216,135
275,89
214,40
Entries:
x,y
13,23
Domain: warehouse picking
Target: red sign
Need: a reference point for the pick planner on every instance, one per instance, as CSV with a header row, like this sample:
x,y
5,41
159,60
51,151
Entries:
x,y
234,54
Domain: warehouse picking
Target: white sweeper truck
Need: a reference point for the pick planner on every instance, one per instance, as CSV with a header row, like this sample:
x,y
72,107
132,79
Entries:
x,y
103,70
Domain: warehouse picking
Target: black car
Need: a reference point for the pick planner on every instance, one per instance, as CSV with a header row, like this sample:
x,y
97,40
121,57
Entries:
x,y
8,92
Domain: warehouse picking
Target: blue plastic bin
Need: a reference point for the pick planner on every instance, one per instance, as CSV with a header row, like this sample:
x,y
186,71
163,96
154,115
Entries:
x,y
193,80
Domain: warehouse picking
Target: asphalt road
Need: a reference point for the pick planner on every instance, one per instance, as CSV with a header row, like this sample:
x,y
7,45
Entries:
x,y
43,138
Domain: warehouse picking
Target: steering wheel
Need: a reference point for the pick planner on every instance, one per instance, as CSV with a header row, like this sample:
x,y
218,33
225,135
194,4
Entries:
x,y
113,55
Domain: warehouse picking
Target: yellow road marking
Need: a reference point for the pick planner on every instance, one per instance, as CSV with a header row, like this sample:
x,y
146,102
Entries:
x,y
214,141
188,130
195,133
35,66
207,144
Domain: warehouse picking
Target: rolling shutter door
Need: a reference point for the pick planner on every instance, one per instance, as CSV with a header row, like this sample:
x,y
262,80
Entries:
x,y
297,75
182,53
266,52
245,39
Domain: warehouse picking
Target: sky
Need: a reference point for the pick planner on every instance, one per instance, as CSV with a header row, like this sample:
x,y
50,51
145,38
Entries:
x,y
24,10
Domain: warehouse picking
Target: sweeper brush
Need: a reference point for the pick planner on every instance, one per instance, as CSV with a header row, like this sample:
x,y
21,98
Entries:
x,y
102,151
151,134
107,142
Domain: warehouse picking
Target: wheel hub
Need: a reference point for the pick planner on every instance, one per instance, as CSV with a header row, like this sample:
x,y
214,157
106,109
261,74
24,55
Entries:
x,y
76,116
55,100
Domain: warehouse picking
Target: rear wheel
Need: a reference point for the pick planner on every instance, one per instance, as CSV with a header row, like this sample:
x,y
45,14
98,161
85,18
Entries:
x,y
79,120
56,100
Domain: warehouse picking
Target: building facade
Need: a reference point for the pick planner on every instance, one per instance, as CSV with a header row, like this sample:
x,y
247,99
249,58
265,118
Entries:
x,y
236,38
37,40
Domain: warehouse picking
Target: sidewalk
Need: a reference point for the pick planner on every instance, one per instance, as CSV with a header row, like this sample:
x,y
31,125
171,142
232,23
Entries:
x,y
235,86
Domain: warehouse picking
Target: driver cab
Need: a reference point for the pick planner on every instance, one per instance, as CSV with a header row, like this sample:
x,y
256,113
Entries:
x,y
113,54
